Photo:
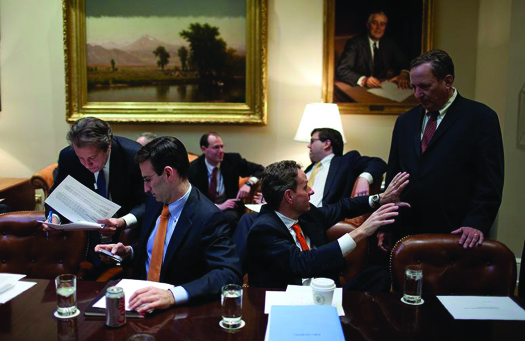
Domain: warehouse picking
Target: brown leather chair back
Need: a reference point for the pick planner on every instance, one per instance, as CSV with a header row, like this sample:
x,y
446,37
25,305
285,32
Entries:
x,y
24,248
449,269
355,260
44,178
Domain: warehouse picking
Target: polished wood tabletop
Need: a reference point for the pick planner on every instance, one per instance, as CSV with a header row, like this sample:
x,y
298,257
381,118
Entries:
x,y
367,317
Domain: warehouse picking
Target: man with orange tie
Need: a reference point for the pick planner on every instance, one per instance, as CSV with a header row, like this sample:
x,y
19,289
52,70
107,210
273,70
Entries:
x,y
184,239
287,243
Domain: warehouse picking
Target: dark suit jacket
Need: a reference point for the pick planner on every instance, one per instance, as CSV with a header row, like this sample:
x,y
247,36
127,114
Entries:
x,y
232,167
458,181
343,172
273,258
356,60
201,256
125,180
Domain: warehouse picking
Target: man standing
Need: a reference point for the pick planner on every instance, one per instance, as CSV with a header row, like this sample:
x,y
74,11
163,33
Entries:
x,y
287,243
105,164
332,175
369,59
216,174
453,149
184,239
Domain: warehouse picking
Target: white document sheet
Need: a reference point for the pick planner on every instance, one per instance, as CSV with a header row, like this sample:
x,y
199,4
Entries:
x,y
130,286
254,207
80,225
10,286
482,308
300,295
78,203
390,91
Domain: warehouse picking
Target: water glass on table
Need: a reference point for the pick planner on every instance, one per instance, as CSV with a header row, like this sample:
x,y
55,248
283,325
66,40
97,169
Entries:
x,y
231,307
66,286
413,285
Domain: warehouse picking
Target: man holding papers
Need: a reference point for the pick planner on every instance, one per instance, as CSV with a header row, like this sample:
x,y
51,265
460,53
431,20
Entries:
x,y
184,239
287,243
105,164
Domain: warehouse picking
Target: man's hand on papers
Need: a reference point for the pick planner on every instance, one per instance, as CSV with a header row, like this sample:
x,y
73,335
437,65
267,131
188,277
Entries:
x,y
111,225
372,82
46,228
402,81
150,298
116,249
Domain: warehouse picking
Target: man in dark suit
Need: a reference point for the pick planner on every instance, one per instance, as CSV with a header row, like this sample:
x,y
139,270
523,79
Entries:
x,y
332,175
216,174
453,149
369,59
105,164
287,243
184,239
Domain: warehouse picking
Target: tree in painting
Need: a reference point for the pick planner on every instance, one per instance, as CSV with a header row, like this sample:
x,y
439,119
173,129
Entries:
x,y
183,57
163,56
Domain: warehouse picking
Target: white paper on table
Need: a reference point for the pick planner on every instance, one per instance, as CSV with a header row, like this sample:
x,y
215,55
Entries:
x,y
80,225
390,91
482,308
130,286
254,207
11,286
77,203
300,295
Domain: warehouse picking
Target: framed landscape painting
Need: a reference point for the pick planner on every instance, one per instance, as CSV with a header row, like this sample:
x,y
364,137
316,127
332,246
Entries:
x,y
402,29
166,61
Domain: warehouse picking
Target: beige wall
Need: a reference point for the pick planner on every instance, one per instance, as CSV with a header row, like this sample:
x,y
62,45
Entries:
x,y
32,121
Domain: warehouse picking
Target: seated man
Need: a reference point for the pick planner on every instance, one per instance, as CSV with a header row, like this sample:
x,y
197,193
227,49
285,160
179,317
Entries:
x,y
216,174
146,138
287,243
184,239
369,59
332,175
105,164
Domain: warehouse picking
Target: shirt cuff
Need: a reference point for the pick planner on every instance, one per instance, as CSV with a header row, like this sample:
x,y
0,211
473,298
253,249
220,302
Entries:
x,y
361,81
253,180
180,294
130,220
368,177
58,218
347,244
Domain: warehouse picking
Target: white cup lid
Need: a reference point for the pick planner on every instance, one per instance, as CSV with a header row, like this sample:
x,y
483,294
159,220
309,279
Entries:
x,y
323,284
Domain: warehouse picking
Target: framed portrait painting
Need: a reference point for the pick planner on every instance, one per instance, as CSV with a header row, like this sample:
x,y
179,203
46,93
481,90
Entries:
x,y
368,46
166,61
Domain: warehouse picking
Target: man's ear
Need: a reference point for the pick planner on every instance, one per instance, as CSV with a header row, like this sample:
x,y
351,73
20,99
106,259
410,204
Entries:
x,y
169,172
327,144
288,196
449,80
203,149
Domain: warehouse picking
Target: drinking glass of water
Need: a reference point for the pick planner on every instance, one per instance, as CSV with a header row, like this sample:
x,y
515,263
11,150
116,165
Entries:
x,y
231,307
66,296
413,285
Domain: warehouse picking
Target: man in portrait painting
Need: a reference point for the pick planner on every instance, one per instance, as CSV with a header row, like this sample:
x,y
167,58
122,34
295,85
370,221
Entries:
x,y
367,60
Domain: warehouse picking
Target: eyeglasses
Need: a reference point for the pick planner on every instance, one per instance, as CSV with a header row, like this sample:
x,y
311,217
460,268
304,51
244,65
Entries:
x,y
312,140
147,178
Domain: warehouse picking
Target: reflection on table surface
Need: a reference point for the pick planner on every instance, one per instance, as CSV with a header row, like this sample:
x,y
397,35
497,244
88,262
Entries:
x,y
368,316
344,93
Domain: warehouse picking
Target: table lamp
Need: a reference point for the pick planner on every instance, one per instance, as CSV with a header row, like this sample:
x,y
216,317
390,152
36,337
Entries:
x,y
319,115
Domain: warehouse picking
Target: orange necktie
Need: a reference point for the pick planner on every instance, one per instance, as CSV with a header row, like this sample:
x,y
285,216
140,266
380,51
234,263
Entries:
x,y
157,254
300,237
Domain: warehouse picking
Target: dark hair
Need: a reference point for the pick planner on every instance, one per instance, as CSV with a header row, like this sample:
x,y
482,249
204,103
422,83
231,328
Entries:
x,y
90,131
440,63
276,179
204,139
334,136
165,151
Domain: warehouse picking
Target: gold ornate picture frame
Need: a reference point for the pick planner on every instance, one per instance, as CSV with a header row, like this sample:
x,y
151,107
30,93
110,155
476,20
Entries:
x,y
253,109
346,19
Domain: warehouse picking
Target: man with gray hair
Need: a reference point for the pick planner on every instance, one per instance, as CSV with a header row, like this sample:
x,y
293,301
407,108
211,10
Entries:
x,y
105,164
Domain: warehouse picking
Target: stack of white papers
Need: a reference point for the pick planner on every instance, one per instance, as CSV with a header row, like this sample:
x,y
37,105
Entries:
x,y
300,295
10,286
482,308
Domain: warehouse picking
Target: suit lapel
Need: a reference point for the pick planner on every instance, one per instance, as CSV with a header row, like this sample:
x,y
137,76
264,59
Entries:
x,y
115,172
332,171
226,171
417,125
450,118
202,180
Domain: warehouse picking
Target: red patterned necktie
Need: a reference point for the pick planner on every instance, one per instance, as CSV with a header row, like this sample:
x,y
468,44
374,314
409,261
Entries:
x,y
430,129
212,190
157,254
300,237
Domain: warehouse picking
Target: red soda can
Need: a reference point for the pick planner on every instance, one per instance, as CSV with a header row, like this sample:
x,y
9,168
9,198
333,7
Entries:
x,y
115,307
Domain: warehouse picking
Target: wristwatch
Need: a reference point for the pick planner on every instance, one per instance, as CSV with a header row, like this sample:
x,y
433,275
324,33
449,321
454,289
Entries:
x,y
375,201
248,183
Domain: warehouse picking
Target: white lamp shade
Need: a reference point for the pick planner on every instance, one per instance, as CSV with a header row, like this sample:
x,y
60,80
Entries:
x,y
319,115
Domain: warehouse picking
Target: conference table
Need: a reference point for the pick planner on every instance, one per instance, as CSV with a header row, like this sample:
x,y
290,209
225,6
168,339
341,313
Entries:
x,y
368,316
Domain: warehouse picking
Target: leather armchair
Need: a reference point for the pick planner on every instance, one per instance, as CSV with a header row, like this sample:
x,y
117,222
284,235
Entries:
x,y
449,269
43,179
25,249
